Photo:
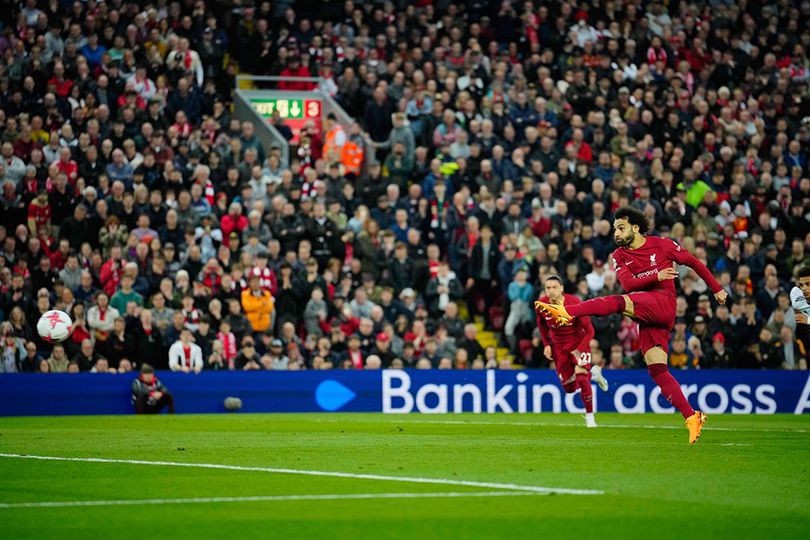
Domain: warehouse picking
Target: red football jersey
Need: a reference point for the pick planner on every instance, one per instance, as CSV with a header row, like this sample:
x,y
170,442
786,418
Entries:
x,y
637,269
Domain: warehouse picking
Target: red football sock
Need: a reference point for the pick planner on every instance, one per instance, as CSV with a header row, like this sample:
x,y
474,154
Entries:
x,y
670,388
586,392
597,306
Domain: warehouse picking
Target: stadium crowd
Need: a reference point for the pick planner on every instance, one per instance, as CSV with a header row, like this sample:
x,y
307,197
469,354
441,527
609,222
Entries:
x,y
498,138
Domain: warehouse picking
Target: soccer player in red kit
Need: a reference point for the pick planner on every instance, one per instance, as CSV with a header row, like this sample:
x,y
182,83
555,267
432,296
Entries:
x,y
645,267
568,346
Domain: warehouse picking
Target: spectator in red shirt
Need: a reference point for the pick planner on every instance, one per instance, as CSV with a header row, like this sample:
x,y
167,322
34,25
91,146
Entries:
x,y
540,224
233,221
295,69
39,213
583,149
61,85
67,165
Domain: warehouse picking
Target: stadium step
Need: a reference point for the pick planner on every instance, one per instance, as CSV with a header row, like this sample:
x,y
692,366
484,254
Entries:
x,y
463,313
487,338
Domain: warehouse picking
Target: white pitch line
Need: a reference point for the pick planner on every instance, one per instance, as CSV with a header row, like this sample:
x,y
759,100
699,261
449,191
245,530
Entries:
x,y
307,472
269,498
571,424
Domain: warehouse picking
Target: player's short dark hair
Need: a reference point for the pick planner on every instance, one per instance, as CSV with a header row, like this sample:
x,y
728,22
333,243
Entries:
x,y
554,277
804,271
634,216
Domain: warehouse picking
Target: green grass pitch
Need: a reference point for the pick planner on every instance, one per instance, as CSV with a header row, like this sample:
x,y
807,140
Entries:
x,y
486,477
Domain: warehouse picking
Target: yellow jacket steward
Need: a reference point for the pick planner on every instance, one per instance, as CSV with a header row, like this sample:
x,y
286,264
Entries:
x,y
258,309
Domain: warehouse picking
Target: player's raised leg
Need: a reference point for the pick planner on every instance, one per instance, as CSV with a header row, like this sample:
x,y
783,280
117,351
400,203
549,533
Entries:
x,y
656,359
606,305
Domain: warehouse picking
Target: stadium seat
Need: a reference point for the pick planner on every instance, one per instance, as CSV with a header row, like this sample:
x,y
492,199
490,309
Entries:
x,y
525,348
496,318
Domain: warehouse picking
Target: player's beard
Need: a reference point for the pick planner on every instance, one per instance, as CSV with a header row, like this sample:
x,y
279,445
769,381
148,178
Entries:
x,y
626,241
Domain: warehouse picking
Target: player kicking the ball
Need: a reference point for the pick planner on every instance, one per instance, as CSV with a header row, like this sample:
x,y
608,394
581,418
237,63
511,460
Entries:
x,y
645,267
568,346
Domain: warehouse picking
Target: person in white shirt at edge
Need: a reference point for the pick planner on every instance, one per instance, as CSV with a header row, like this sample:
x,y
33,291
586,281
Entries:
x,y
184,355
800,301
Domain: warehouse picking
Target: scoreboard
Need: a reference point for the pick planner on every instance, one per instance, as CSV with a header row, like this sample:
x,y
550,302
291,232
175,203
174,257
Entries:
x,y
294,111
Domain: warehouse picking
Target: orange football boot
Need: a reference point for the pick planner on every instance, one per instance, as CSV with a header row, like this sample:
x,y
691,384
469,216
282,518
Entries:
x,y
695,424
555,311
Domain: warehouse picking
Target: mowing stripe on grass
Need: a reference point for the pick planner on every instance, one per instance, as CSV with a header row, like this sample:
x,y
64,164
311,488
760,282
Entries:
x,y
409,479
269,498
571,424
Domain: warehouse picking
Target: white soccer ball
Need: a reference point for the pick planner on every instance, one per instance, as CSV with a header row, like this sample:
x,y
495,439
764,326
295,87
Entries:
x,y
54,326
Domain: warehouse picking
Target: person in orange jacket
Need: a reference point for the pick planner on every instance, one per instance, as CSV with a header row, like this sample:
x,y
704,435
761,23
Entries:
x,y
352,152
258,305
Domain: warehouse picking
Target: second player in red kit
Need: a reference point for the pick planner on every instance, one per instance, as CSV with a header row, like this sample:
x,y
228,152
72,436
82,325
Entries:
x,y
645,267
568,346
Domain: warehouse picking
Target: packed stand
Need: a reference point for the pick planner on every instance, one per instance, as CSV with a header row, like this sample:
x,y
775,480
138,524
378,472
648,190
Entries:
x,y
493,142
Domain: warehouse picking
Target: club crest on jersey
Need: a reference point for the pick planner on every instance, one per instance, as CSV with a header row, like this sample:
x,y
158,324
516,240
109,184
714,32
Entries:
x,y
652,260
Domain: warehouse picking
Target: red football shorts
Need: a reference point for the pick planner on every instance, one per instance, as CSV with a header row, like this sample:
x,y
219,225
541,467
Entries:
x,y
564,361
655,313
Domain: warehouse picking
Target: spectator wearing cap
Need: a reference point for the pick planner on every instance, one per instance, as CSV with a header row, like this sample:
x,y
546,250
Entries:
x,y
248,359
275,359
409,300
383,213
382,349
700,328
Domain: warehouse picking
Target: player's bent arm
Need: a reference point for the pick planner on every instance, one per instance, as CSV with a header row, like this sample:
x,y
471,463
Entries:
x,y
681,256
